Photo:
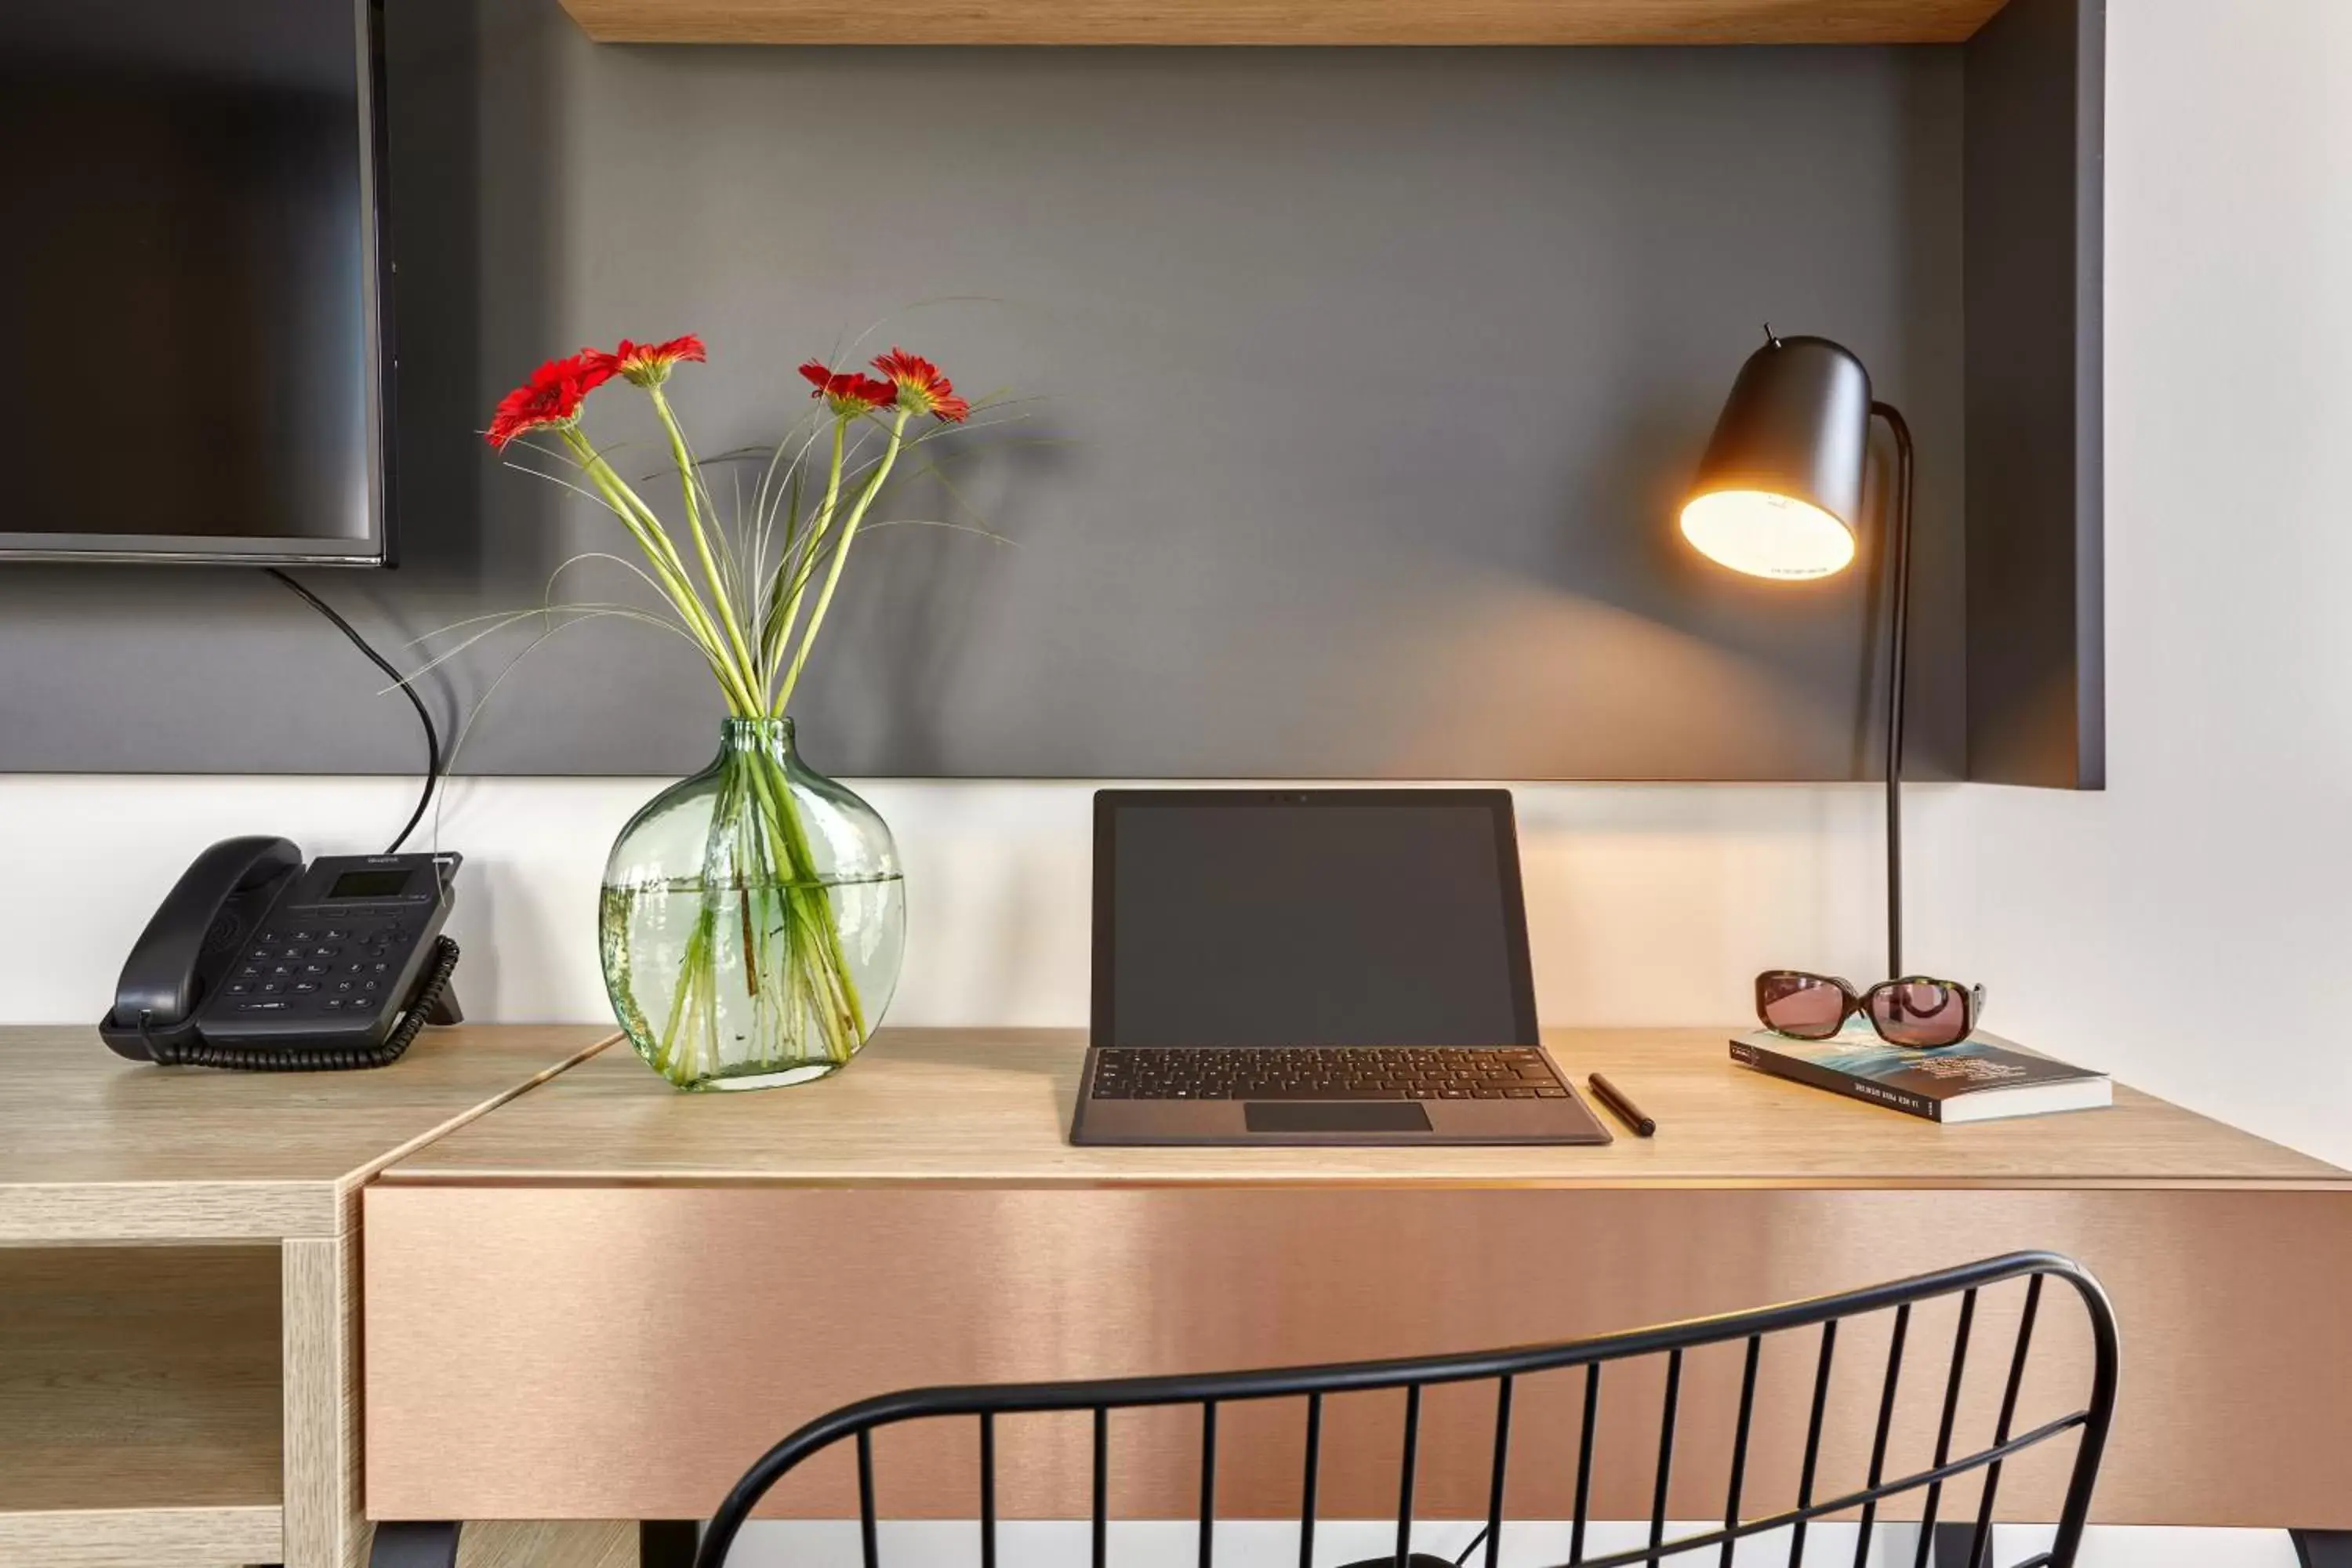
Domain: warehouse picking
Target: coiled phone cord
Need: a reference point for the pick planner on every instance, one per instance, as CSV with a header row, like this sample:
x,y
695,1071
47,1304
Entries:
x,y
202,1053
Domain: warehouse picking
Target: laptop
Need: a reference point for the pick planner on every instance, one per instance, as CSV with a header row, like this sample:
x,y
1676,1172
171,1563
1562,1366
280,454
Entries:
x,y
1336,967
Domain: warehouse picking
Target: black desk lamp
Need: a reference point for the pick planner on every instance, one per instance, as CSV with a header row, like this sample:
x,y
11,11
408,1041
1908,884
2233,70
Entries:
x,y
1779,494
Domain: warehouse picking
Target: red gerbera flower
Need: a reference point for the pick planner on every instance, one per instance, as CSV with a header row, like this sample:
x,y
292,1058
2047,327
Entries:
x,y
848,391
551,396
921,387
646,364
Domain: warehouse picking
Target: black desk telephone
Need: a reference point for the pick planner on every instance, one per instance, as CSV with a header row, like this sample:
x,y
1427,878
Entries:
x,y
255,961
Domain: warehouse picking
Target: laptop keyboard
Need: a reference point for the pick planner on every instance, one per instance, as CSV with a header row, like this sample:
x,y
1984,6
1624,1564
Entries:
x,y
1308,1072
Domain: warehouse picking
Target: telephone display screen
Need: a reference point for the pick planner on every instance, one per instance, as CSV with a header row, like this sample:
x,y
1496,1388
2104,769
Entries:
x,y
369,884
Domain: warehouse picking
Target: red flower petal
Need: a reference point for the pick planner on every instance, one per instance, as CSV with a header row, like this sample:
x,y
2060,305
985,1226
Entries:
x,y
848,391
647,365
551,396
921,387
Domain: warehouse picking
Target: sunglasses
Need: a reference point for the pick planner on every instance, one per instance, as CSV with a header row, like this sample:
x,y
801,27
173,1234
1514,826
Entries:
x,y
1916,1012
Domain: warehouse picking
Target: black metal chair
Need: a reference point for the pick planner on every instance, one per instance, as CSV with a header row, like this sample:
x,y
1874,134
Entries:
x,y
985,1403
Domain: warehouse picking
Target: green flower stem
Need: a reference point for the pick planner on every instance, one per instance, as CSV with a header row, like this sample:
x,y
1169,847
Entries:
x,y
669,568
639,518
880,477
805,899
819,522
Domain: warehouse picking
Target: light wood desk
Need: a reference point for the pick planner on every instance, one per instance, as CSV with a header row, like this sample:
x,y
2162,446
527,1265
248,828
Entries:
x,y
178,1277
605,1298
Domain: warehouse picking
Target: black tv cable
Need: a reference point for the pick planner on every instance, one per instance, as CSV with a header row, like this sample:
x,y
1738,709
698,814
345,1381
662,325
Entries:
x,y
432,735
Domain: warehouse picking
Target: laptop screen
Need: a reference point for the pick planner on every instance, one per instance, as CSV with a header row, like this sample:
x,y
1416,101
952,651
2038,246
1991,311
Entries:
x,y
1316,918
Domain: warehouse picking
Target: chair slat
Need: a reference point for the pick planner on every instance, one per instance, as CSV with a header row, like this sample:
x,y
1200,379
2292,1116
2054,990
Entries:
x,y
1208,1481
1404,1473
1944,1428
1739,1444
1981,1552
866,1538
1665,1447
1101,1543
1307,1499
1886,1425
1584,1462
1502,1465
988,1489
1813,1439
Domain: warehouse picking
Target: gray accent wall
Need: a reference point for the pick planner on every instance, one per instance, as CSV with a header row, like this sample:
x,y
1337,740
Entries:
x,y
1355,386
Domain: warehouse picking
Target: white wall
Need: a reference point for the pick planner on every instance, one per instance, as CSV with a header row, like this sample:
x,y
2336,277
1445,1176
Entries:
x,y
2188,926
1646,905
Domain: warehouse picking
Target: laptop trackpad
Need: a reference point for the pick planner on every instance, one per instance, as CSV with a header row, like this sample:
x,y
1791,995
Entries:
x,y
1335,1116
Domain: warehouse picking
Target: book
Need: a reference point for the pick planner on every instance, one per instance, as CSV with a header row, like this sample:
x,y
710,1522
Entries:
x,y
1983,1079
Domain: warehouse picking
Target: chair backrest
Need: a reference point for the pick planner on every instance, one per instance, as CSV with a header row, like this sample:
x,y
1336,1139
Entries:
x,y
984,1403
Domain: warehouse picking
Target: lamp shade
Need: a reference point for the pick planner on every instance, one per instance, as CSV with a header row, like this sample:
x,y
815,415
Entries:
x,y
1780,491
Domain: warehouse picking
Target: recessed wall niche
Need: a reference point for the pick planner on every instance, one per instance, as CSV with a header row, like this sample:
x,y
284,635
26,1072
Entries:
x,y
1359,386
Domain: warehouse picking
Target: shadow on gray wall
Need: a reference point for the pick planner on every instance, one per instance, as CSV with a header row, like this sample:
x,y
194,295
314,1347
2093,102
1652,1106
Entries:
x,y
1366,382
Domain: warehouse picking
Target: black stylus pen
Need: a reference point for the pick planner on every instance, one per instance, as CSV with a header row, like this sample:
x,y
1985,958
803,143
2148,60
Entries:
x,y
1624,1110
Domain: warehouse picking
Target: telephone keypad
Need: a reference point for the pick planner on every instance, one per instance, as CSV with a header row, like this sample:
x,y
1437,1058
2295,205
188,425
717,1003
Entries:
x,y
322,968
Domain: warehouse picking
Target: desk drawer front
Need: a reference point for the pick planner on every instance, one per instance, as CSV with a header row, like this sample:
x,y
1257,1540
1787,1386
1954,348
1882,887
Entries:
x,y
616,1352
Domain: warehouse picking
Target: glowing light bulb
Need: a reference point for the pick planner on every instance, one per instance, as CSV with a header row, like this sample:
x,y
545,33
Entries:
x,y
1768,535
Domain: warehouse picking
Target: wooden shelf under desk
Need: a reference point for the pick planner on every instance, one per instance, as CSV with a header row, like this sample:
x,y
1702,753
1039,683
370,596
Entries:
x,y
1468,21
178,1289
140,1405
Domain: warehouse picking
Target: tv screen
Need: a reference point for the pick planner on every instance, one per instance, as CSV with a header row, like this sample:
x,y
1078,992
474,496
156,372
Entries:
x,y
190,286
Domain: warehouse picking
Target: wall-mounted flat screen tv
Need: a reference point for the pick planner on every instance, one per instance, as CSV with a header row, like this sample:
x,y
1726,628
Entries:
x,y
192,281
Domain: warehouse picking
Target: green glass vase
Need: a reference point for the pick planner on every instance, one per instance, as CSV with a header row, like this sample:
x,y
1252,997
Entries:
x,y
754,919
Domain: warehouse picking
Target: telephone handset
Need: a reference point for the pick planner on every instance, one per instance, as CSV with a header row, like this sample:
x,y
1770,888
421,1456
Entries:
x,y
254,960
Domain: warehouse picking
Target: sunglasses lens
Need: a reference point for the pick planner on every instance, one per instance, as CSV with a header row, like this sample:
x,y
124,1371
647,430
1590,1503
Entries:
x,y
1805,1006
1921,1014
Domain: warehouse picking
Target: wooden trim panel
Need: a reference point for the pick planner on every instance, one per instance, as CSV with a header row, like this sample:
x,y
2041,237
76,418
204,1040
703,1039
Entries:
x,y
1472,22
320,1293
121,1538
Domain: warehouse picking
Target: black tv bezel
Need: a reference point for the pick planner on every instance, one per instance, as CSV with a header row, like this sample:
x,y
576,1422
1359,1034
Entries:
x,y
377,549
